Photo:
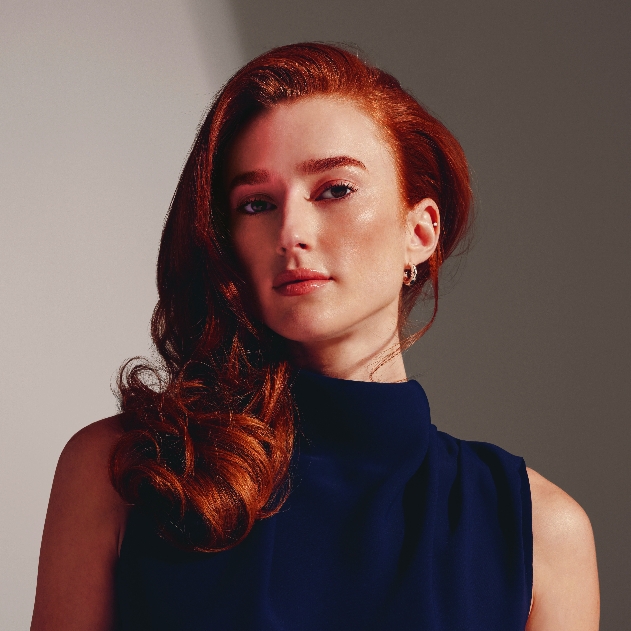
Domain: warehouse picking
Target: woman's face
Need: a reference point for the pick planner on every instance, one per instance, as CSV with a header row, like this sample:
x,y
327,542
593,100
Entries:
x,y
318,222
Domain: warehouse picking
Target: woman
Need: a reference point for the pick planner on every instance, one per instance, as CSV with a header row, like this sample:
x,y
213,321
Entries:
x,y
279,472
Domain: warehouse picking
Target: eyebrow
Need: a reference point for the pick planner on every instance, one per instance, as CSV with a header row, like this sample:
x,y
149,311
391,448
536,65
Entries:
x,y
249,177
312,167
308,167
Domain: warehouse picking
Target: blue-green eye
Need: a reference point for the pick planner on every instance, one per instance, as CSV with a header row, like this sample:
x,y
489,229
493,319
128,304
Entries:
x,y
337,191
254,206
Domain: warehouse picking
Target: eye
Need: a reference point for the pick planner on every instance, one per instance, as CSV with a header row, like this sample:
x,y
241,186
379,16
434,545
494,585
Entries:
x,y
339,190
255,206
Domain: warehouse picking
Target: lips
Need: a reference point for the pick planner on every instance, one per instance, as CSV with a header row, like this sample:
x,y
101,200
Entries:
x,y
297,282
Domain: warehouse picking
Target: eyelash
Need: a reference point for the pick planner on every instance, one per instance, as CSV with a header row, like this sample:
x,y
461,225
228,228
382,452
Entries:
x,y
352,189
348,185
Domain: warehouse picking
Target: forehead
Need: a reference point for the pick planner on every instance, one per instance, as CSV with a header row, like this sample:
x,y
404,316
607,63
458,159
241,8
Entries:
x,y
309,128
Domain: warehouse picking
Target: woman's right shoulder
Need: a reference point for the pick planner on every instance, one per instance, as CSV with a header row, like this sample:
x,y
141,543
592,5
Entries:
x,y
92,441
82,474
84,527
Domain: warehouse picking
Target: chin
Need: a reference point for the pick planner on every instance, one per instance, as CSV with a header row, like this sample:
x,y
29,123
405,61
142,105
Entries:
x,y
305,335
307,330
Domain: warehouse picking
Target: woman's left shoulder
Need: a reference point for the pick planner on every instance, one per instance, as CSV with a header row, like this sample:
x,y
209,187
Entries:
x,y
565,583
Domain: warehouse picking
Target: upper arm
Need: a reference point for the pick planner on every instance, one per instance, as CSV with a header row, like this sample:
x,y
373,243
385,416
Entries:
x,y
565,585
82,533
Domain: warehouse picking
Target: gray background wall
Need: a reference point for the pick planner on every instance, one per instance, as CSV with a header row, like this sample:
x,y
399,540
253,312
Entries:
x,y
99,102
99,107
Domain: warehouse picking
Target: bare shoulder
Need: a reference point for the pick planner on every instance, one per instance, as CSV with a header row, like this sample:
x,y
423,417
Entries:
x,y
565,590
92,444
84,525
556,515
82,472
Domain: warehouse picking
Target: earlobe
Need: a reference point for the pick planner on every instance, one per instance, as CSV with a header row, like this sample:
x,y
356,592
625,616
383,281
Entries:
x,y
423,230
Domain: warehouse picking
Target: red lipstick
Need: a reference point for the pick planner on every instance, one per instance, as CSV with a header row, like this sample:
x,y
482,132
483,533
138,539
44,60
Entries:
x,y
296,282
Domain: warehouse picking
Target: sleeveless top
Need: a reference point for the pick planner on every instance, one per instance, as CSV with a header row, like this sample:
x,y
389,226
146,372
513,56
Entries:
x,y
390,524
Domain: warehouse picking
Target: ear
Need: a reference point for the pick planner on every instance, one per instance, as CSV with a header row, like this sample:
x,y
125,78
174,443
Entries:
x,y
423,230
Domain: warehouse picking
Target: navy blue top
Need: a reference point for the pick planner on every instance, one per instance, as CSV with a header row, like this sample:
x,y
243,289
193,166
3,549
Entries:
x,y
390,524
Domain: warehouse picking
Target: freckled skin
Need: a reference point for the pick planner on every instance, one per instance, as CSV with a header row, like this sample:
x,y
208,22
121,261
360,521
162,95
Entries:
x,y
360,240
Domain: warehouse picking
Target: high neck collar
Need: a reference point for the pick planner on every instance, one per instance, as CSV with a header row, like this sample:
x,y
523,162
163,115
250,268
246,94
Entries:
x,y
362,418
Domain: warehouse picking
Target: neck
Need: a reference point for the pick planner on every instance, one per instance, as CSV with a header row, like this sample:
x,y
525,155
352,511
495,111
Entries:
x,y
346,358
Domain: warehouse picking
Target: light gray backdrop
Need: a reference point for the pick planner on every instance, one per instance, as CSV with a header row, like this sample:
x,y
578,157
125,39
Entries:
x,y
530,350
99,102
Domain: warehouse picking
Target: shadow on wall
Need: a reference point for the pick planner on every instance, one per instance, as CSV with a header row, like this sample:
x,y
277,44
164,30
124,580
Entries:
x,y
530,350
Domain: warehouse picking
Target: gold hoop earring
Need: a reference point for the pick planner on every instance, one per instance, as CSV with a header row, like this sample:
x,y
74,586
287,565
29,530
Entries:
x,y
409,275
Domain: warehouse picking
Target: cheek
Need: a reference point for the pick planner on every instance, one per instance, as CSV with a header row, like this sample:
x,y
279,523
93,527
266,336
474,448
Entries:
x,y
248,245
374,247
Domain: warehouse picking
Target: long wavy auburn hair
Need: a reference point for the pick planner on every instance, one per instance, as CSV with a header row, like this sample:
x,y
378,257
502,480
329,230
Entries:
x,y
209,428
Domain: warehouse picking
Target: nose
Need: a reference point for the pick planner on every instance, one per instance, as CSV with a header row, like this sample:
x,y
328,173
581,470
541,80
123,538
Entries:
x,y
296,226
